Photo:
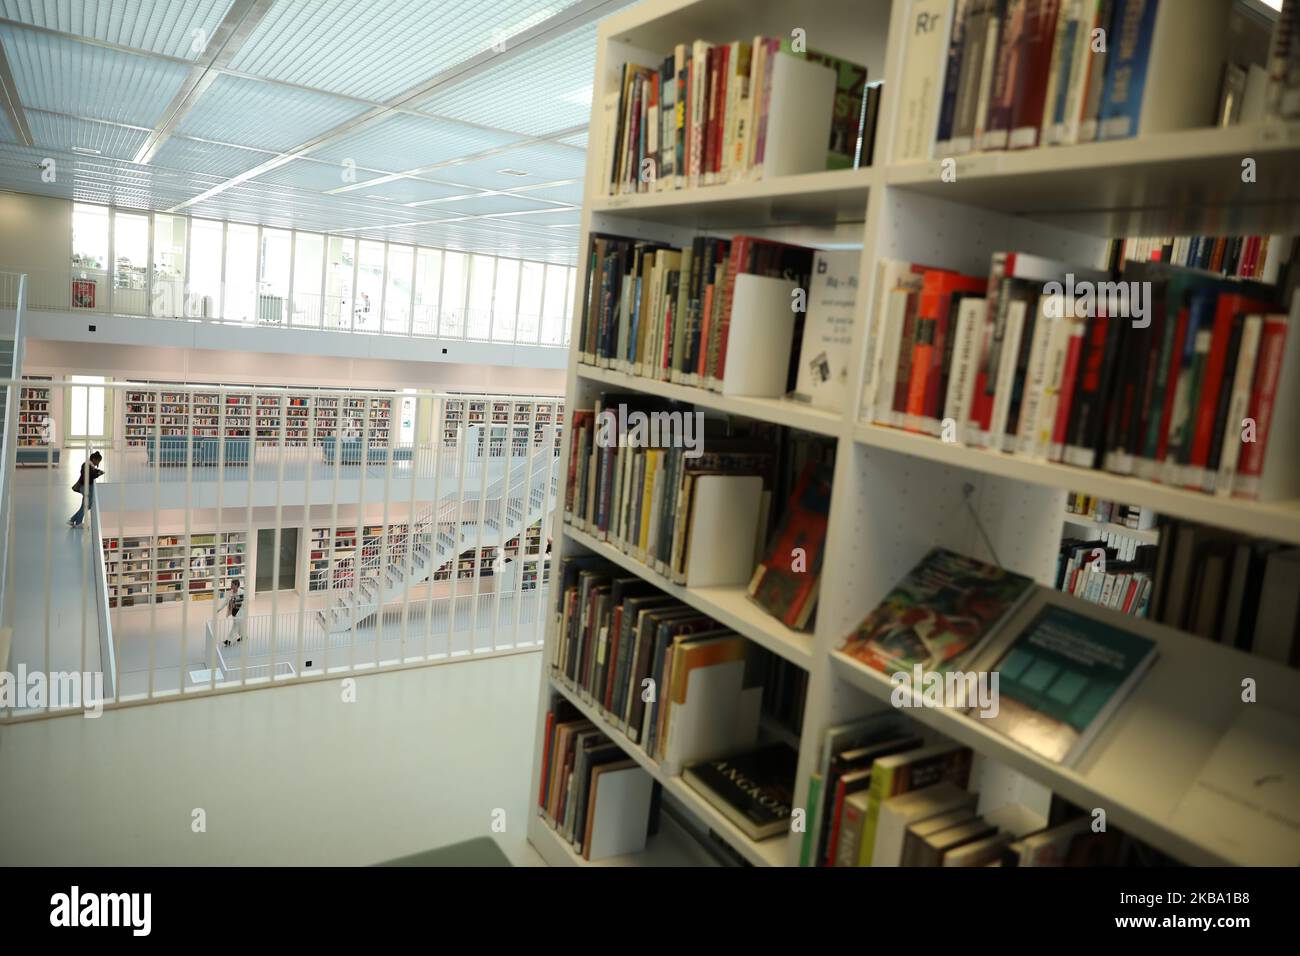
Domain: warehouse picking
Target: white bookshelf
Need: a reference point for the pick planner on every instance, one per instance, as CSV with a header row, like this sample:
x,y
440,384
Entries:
x,y
896,494
144,569
35,413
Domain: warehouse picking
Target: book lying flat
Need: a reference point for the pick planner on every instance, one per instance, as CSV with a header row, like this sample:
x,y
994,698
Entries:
x,y
755,791
943,607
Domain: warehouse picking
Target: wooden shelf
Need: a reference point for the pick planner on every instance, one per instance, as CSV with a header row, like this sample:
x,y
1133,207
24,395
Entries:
x,y
808,199
730,607
1168,183
771,852
1279,519
780,411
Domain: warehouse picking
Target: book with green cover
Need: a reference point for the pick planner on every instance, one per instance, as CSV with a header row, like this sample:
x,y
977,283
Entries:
x,y
1063,677
845,150
941,609
810,823
905,772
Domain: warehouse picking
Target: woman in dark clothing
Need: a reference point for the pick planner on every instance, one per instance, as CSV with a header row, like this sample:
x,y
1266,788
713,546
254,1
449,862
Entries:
x,y
86,486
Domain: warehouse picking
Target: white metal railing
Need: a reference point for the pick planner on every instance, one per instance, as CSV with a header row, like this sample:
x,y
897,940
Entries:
x,y
400,543
15,285
80,289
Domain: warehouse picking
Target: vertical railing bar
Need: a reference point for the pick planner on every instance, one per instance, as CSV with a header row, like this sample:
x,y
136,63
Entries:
x,y
278,536
248,520
363,460
154,594
386,535
49,528
332,530
548,516
305,585
88,496
482,515
221,486
463,453
411,525
189,540
117,607
440,417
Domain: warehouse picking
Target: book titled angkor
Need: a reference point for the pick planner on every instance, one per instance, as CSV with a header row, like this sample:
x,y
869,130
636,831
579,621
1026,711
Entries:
x,y
785,583
755,791
943,608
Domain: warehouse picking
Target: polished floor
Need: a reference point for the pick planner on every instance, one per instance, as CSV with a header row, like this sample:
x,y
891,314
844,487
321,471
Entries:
x,y
292,775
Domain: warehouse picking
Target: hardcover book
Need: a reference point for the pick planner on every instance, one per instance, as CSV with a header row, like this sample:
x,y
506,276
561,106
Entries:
x,y
754,790
941,609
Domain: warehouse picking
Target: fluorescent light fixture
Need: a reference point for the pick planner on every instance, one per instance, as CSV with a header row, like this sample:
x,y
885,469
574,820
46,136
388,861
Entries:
x,y
513,172
86,150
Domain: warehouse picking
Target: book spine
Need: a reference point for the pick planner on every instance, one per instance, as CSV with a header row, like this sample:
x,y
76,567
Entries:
x,y
952,76
1272,347
1121,105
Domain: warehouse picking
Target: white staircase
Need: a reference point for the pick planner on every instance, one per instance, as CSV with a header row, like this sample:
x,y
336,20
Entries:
x,y
435,539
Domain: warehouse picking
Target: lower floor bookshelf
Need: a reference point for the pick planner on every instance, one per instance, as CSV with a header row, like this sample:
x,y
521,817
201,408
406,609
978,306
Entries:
x,y
672,846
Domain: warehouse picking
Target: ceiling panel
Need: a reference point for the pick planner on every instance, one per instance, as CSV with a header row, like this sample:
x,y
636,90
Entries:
x,y
65,76
401,142
170,27
540,163
406,190
380,48
485,205
506,97
66,132
252,113
177,152
569,192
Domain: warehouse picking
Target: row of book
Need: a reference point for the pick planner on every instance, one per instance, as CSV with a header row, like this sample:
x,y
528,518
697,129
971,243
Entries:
x,y
595,797
672,680
1169,374
1105,511
1018,74
706,519
1244,257
665,313
883,795
1225,587
1258,92
1065,668
715,113
1111,570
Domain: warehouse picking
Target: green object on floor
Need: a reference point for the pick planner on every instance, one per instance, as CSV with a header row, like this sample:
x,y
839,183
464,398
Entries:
x,y
482,851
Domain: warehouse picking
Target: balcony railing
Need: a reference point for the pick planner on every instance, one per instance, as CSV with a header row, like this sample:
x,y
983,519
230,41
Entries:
x,y
93,291
356,548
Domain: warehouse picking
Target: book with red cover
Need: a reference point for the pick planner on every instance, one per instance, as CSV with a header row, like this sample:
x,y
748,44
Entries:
x,y
751,255
1036,59
1229,305
924,385
1065,394
783,591
1272,347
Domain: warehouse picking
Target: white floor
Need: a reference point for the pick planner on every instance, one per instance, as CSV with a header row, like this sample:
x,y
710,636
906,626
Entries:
x,y
286,775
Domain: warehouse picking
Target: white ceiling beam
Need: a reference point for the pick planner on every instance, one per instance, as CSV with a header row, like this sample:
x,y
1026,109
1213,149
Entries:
x,y
13,105
235,27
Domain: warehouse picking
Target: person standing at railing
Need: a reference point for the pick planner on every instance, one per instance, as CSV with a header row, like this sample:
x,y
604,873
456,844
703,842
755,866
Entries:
x,y
237,608
85,487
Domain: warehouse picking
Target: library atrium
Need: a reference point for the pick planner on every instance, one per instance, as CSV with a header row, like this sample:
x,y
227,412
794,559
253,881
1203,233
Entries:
x,y
690,433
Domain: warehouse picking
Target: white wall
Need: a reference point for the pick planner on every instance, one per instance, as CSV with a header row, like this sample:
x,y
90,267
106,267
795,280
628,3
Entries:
x,y
223,366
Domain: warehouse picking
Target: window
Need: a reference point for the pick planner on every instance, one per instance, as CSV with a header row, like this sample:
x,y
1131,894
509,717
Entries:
x,y
505,302
205,269
130,263
241,272
339,260
273,277
89,256
86,409
553,318
308,270
454,276
478,310
168,299
397,293
370,284
530,300
428,280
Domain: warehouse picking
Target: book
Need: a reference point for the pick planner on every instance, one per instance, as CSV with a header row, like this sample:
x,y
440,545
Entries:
x,y
785,583
1064,676
920,93
823,377
940,610
754,790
